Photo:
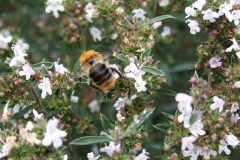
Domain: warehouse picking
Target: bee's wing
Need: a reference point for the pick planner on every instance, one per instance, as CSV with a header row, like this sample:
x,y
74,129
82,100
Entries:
x,y
106,55
79,72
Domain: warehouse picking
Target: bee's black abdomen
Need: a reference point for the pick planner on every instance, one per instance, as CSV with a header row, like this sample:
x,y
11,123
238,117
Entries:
x,y
99,73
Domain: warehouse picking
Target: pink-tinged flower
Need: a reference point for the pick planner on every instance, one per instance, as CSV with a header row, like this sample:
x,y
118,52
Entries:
x,y
7,147
215,62
166,31
187,143
94,107
163,3
120,117
53,134
207,154
225,9
110,149
96,34
235,118
193,25
199,4
234,107
184,103
90,156
210,15
235,16
157,24
139,13
223,147
197,128
54,6
45,86
135,119
234,46
218,103
119,103
142,156
18,58
232,140
27,71
59,68
37,117
190,12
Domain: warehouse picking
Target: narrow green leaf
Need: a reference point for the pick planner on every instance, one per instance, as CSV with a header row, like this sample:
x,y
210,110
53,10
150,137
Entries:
x,y
162,127
89,140
125,25
193,119
76,66
157,19
38,66
146,53
168,92
123,58
228,116
195,74
108,34
152,70
105,123
21,113
166,114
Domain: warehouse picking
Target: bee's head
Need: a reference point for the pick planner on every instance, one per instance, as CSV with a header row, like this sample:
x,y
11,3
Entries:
x,y
88,57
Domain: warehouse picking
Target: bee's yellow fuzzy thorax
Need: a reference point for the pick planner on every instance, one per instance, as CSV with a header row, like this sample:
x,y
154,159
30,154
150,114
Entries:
x,y
87,55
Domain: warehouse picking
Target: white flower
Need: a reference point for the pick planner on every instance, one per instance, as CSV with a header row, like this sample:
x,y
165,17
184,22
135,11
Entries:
x,y
110,149
197,128
96,34
235,16
135,119
225,9
27,71
157,24
163,3
232,140
29,126
223,147
140,86
193,25
234,46
5,38
215,62
59,68
119,103
190,12
237,84
234,107
7,147
15,109
89,9
90,156
199,4
37,116
208,153
129,101
210,15
45,86
187,143
18,58
114,36
194,153
54,6
6,112
142,156
235,118
65,157
119,10
94,107
74,99
139,13
23,46
115,75
133,72
120,117
166,31
218,103
53,134
184,117
184,103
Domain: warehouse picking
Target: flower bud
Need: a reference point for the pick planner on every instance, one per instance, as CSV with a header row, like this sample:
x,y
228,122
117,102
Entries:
x,y
193,80
144,3
214,137
170,132
70,81
205,148
138,136
220,120
174,156
118,150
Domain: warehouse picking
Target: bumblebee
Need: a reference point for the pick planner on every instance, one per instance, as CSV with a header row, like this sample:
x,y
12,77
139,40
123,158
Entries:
x,y
95,66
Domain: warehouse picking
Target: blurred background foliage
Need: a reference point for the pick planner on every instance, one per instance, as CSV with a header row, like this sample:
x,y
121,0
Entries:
x,y
46,35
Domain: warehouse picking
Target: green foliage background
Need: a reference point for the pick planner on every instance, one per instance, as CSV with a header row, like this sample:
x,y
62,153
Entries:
x,y
45,35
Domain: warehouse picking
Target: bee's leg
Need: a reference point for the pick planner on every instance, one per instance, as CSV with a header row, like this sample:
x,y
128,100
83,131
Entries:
x,y
115,70
80,79
96,87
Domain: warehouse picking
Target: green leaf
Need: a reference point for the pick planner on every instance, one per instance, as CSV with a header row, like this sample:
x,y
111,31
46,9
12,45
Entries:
x,y
125,25
89,140
38,66
146,53
157,19
105,122
166,114
21,113
181,67
162,127
167,92
193,119
195,74
123,58
76,66
152,70
228,116
108,34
